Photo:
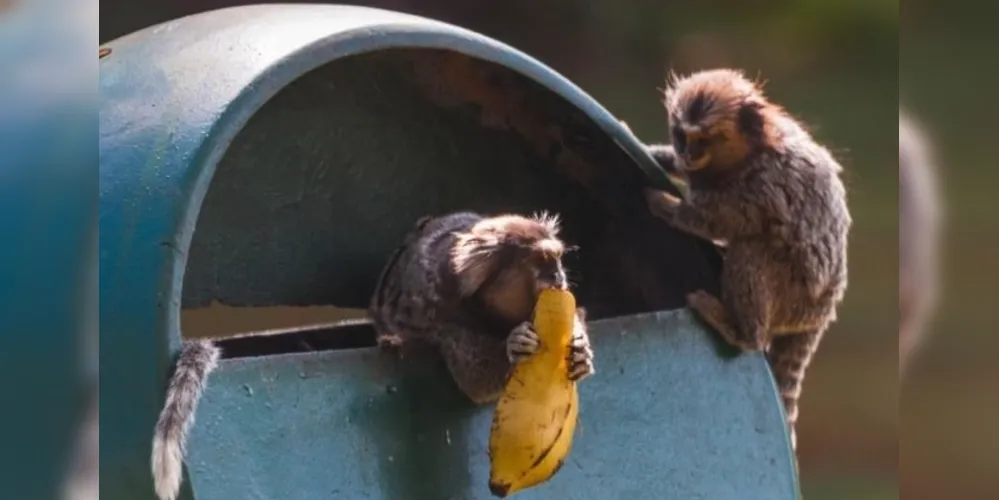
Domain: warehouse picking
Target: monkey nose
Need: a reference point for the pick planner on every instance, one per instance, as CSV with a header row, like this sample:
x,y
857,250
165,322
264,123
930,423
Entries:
x,y
695,151
559,281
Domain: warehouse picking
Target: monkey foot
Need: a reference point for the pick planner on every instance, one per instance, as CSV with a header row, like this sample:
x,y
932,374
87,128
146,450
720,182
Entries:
x,y
712,312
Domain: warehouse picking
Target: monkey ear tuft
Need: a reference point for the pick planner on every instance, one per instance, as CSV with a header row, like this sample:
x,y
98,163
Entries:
x,y
751,120
472,259
550,222
423,221
672,79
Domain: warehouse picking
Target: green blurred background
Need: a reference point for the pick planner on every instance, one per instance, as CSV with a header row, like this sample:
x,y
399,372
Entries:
x,y
950,404
835,64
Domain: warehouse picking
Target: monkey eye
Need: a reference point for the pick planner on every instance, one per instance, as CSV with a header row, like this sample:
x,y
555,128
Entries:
x,y
679,139
698,147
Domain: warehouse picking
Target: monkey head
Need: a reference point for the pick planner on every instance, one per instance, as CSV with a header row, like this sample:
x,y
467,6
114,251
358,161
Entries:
x,y
507,260
718,119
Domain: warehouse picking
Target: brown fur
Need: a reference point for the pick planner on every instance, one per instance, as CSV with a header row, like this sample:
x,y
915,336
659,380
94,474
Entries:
x,y
467,284
759,183
917,237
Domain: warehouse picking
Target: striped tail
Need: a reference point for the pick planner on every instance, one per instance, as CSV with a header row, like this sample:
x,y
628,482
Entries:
x,y
789,357
196,361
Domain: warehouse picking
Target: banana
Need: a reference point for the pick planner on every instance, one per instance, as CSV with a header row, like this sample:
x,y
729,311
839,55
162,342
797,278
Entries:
x,y
535,418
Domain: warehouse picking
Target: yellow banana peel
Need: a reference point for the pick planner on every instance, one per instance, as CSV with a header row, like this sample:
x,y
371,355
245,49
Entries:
x,y
535,418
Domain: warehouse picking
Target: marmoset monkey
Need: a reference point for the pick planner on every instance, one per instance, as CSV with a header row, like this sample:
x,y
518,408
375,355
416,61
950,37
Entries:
x,y
760,183
198,358
467,284
918,233
463,282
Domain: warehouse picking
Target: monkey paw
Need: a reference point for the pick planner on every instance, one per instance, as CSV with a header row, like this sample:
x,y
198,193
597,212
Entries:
x,y
522,342
389,341
661,203
580,359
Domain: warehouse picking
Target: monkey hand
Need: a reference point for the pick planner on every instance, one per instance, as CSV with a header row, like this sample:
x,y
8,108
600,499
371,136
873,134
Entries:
x,y
580,356
666,158
522,342
661,203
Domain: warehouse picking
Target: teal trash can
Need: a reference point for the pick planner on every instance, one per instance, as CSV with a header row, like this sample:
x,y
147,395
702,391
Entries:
x,y
275,155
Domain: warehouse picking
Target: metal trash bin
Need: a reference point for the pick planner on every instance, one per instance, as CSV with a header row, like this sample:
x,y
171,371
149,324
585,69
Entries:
x,y
276,154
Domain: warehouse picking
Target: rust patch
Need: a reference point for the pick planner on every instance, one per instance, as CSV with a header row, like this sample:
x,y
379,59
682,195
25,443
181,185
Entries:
x,y
103,52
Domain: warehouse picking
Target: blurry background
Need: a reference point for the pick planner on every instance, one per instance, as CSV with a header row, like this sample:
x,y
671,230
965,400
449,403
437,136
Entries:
x,y
834,64
950,405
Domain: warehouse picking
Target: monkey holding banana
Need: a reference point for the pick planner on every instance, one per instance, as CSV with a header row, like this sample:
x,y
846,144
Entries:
x,y
462,282
467,284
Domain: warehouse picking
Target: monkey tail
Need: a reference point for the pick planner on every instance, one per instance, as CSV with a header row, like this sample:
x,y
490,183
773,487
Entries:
x,y
789,357
198,358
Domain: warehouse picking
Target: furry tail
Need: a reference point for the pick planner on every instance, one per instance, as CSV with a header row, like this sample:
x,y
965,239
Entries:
x,y
196,361
789,357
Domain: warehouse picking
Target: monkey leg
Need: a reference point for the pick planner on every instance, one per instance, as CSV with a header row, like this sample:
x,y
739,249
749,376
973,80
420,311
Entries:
x,y
713,314
789,356
477,362
742,316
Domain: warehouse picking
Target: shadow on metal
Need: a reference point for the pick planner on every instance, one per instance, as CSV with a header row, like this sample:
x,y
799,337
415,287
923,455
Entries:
x,y
275,155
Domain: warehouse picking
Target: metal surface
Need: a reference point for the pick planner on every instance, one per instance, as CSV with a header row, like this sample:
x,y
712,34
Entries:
x,y
301,141
664,418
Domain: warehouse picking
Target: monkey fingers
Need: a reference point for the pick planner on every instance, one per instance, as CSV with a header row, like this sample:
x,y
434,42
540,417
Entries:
x,y
580,359
522,342
665,156
712,312
661,203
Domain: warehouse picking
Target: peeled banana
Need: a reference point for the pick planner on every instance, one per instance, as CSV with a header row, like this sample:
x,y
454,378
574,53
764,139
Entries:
x,y
535,418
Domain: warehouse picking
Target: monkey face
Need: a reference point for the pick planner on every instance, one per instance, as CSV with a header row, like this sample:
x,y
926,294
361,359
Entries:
x,y
548,272
694,149
715,118
520,255
521,273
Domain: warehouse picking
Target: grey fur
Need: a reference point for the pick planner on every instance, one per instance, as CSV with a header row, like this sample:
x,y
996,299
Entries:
x,y
198,358
467,285
760,183
918,238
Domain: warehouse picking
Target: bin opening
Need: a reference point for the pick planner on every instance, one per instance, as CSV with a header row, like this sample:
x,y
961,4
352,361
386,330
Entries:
x,y
346,334
321,184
